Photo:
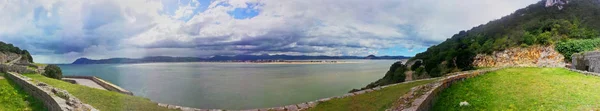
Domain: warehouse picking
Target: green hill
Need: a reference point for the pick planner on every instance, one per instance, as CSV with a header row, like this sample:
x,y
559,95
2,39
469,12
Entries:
x,y
4,47
533,25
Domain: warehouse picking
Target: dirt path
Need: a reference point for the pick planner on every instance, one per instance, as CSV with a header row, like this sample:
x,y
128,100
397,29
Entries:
x,y
408,76
1,77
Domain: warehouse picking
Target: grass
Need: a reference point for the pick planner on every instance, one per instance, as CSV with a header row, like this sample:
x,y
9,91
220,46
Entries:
x,y
523,89
102,99
13,98
372,101
40,65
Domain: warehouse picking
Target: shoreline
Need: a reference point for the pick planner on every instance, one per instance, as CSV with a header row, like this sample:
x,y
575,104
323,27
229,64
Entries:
x,y
243,62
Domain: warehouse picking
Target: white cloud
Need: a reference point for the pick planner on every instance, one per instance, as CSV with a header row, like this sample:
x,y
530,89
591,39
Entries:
x,y
137,28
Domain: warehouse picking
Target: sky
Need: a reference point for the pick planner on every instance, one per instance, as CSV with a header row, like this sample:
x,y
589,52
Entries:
x,y
60,31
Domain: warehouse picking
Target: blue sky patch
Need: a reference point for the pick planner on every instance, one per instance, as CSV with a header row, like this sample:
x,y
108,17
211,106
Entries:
x,y
245,13
170,6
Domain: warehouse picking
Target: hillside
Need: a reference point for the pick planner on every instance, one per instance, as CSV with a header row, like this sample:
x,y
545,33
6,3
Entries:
x,y
539,24
9,52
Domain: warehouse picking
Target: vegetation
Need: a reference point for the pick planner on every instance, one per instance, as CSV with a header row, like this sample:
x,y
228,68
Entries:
x,y
570,47
533,25
394,75
372,101
11,48
102,99
13,98
523,89
53,71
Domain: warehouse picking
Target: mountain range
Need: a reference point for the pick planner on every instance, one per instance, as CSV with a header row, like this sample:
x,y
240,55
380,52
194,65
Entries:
x,y
220,58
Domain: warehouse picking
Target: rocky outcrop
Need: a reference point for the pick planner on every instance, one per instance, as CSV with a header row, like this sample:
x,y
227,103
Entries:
x,y
558,3
6,57
534,56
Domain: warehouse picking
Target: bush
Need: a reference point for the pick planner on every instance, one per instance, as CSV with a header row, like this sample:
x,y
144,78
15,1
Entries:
x,y
570,47
53,71
415,65
419,71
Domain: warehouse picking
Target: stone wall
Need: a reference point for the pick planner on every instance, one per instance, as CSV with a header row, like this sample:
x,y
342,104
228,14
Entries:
x,y
421,98
54,99
16,68
588,61
107,85
533,56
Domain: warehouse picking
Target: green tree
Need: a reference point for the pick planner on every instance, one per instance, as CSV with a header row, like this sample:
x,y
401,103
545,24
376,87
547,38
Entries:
x,y
415,65
529,38
53,71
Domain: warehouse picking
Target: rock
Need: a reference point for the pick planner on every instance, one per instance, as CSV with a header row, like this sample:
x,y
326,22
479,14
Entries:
x,y
359,92
302,106
464,103
534,56
347,95
292,108
324,99
312,104
278,108
588,61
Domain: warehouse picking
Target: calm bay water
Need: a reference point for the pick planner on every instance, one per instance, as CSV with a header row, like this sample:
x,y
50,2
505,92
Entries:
x,y
236,86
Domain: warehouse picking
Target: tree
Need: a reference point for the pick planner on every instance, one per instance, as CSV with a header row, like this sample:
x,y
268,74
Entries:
x,y
529,38
415,65
53,71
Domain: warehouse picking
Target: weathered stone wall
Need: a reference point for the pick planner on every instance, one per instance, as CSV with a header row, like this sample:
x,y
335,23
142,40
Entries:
x,y
107,85
534,56
588,61
54,99
15,68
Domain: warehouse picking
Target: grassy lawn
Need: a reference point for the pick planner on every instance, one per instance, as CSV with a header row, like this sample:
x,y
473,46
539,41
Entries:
x,y
102,99
524,89
12,98
373,101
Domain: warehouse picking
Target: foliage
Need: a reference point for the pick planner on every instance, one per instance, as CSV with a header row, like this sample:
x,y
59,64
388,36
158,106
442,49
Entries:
x,y
394,75
523,89
415,65
102,100
377,100
532,25
419,71
53,71
570,47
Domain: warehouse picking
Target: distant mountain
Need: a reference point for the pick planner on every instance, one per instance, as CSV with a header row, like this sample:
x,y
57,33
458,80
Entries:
x,y
220,58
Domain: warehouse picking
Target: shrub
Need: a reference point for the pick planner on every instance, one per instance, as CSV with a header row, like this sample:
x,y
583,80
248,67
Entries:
x,y
419,71
53,71
415,65
570,47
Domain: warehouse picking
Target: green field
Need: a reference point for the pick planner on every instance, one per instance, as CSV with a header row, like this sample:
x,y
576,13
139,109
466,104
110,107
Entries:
x,y
524,89
12,98
102,99
373,101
